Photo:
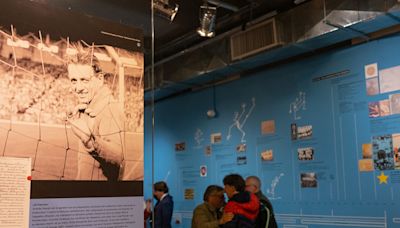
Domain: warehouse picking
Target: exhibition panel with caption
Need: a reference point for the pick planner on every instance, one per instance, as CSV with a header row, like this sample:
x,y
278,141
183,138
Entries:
x,y
71,120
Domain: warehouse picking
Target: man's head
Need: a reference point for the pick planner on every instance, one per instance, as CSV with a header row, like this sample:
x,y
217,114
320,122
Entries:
x,y
85,76
253,184
214,195
203,170
160,188
233,184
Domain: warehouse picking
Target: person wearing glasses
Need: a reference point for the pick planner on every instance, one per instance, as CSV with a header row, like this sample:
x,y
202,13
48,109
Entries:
x,y
266,217
209,214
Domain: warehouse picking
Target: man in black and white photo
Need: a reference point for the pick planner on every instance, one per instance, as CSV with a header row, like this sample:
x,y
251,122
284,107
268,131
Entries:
x,y
97,121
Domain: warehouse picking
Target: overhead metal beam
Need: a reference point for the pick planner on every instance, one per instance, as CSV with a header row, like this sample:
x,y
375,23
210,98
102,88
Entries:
x,y
224,5
347,29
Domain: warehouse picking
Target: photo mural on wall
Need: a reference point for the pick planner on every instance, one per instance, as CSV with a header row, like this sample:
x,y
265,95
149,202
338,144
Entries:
x,y
75,108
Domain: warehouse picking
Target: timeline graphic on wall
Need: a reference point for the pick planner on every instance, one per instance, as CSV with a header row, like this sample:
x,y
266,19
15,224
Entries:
x,y
333,156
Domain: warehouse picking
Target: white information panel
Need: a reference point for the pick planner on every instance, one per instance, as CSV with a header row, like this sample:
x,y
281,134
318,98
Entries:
x,y
124,212
15,189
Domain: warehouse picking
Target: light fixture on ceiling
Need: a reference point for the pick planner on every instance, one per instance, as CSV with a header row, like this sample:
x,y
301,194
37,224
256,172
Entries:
x,y
208,15
165,10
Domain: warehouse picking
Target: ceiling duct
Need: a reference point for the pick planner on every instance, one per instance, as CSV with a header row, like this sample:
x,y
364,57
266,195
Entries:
x,y
255,39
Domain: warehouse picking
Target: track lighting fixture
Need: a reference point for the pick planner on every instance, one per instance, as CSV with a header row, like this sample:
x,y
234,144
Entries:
x,y
166,10
208,15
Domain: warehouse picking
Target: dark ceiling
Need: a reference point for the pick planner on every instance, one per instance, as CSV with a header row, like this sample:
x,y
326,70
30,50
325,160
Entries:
x,y
170,37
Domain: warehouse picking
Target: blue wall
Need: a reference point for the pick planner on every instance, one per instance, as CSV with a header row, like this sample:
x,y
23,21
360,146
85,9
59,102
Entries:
x,y
337,109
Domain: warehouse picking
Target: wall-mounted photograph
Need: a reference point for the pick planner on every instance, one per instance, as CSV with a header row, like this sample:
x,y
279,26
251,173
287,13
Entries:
x,y
308,180
306,153
75,108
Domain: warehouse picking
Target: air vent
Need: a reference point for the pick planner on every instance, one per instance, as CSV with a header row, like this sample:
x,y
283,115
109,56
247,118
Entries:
x,y
254,39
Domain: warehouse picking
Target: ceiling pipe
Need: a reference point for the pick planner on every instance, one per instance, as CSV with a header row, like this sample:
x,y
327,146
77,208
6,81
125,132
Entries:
x,y
224,5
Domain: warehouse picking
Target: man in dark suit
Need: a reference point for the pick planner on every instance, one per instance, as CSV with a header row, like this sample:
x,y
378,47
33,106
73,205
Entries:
x,y
164,206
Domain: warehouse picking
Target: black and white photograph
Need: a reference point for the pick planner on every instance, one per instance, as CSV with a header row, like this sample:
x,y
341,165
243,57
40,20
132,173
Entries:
x,y
305,154
293,131
308,180
241,160
304,132
71,106
208,150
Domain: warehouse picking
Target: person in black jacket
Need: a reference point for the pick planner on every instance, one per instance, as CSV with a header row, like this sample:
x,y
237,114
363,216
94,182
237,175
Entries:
x,y
164,206
266,217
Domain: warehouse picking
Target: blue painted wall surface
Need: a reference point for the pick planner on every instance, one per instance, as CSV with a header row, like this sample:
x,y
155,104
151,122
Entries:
x,y
336,108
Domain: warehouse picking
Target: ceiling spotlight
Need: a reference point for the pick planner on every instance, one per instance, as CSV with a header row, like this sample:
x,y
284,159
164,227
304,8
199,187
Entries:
x,y
208,15
165,10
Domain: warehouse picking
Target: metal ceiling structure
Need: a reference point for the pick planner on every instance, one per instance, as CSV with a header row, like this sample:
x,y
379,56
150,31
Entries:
x,y
311,28
170,37
184,61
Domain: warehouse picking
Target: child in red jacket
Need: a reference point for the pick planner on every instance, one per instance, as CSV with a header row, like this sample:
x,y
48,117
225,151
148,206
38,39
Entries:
x,y
244,205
